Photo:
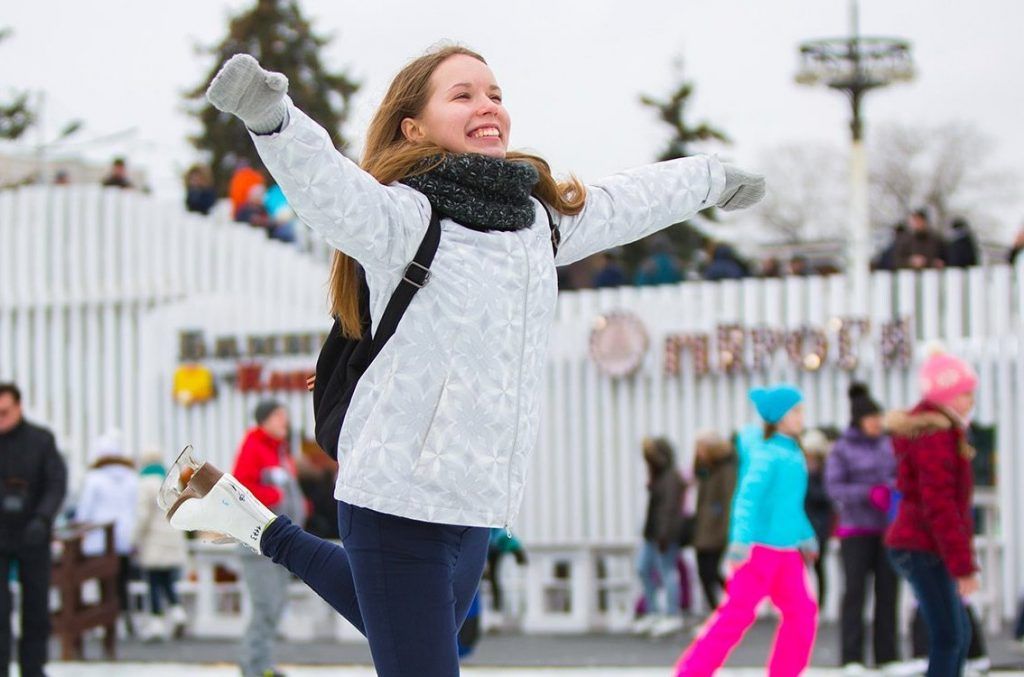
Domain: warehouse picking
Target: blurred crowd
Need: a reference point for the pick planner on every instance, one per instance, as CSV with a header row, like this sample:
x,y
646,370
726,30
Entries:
x,y
851,501
916,243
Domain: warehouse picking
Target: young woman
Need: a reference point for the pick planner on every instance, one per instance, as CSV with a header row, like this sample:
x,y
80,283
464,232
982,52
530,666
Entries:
x,y
436,442
860,475
930,540
771,541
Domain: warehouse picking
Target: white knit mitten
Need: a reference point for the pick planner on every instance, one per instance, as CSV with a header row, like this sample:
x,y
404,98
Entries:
x,y
742,189
256,96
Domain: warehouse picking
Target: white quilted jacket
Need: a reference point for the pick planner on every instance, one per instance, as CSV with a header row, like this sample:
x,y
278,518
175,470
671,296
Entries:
x,y
442,424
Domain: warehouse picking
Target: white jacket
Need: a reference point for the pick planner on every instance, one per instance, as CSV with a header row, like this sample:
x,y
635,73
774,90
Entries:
x,y
108,495
442,424
158,544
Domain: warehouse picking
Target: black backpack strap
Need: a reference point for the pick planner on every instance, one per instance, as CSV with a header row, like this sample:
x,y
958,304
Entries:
x,y
416,276
556,235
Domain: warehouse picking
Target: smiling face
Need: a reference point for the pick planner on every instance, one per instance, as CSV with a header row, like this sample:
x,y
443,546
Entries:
x,y
464,113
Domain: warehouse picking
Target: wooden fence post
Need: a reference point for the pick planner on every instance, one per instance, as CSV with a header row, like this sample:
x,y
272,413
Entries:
x,y
71,569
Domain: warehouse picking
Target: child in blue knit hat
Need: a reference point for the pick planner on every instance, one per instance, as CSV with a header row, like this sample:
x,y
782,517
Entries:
x,y
770,542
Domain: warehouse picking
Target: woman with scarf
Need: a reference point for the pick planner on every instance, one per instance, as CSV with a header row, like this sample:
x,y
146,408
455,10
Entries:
x,y
436,442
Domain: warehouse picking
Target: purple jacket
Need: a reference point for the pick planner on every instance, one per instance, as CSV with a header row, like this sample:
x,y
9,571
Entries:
x,y
858,463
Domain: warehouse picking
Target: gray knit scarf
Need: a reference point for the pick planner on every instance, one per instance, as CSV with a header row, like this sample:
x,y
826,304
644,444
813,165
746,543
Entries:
x,y
478,191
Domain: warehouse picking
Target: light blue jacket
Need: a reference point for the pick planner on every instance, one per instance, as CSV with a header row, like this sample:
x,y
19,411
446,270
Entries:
x,y
768,508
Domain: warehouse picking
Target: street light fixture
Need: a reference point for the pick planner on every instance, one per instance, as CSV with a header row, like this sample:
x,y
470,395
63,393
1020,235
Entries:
x,y
856,65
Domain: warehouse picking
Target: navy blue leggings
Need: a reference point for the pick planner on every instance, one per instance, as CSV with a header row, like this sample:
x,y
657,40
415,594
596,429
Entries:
x,y
406,585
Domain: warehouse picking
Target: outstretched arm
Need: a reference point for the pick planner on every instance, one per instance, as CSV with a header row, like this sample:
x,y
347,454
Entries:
x,y
633,204
380,226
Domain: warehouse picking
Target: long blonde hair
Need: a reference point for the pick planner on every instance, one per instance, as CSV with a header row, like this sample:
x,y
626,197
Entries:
x,y
390,157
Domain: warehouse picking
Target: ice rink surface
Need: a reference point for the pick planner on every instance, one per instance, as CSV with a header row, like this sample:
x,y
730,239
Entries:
x,y
126,669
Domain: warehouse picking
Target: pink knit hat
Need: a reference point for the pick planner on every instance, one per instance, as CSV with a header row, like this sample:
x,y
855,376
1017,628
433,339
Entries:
x,y
944,377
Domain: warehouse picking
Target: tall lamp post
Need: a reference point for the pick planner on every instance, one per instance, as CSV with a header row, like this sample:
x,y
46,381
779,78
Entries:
x,y
854,66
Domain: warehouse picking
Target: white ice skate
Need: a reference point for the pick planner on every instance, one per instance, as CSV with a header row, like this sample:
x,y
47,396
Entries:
x,y
665,626
198,497
178,619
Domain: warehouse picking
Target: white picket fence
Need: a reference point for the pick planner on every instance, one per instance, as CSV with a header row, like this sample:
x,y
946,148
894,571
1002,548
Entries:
x,y
96,287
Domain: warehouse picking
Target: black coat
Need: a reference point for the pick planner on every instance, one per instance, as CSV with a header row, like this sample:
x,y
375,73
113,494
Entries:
x,y
200,200
664,520
962,251
33,480
818,506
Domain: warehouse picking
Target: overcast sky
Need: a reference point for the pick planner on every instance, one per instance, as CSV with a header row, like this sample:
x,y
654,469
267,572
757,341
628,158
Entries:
x,y
571,70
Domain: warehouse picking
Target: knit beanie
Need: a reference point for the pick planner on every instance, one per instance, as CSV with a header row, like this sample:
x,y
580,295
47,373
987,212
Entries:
x,y
861,403
108,445
944,377
264,409
774,403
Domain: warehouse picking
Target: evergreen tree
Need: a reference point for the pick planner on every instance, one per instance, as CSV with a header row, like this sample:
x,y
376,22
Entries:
x,y
684,237
281,38
15,116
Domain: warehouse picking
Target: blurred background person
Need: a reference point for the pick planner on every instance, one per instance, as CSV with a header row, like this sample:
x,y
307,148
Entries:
x,y
33,482
920,247
659,553
962,248
502,543
610,272
240,187
714,471
161,553
117,175
110,495
724,263
200,195
264,466
661,265
817,503
860,476
931,539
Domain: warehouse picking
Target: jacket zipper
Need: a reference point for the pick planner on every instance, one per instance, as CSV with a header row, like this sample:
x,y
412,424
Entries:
x,y
519,387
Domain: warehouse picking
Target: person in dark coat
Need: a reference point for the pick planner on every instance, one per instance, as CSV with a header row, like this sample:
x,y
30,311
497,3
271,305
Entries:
x,y
962,248
817,503
860,476
200,196
33,481
663,527
714,467
610,272
724,265
886,259
921,247
117,177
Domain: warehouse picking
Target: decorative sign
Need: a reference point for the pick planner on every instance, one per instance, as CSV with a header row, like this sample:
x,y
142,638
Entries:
x,y
618,343
736,349
249,363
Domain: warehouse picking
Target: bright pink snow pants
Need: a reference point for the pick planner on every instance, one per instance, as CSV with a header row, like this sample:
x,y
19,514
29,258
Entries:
x,y
779,575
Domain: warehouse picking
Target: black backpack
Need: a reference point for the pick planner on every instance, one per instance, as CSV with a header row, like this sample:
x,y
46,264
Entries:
x,y
343,360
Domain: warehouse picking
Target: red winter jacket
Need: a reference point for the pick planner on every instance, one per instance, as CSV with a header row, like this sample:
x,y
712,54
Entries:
x,y
934,476
258,452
